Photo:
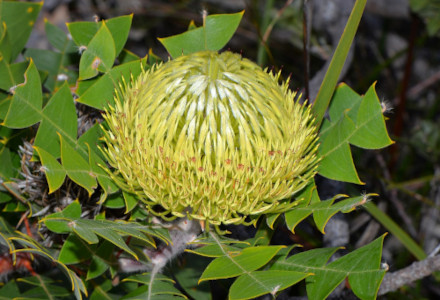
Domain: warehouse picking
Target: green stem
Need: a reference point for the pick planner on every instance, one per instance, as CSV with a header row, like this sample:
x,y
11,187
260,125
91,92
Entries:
x,y
395,230
334,70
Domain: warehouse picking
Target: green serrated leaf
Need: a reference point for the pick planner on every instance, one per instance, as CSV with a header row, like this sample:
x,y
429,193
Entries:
x,y
68,54
9,290
323,210
72,211
99,55
31,246
127,56
215,250
115,201
208,239
5,44
55,173
128,229
19,18
83,32
271,219
296,215
356,120
58,38
59,222
90,139
34,280
215,33
187,276
101,260
112,231
101,228
5,197
7,169
191,25
11,75
76,167
345,100
262,237
74,250
119,27
4,104
59,118
12,188
45,291
258,283
45,288
337,162
55,64
145,278
25,107
160,290
15,207
363,265
139,213
162,287
130,201
84,232
46,60
100,93
101,290
235,264
371,130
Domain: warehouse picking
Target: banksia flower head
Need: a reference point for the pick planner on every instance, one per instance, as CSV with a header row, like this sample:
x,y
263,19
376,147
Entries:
x,y
211,137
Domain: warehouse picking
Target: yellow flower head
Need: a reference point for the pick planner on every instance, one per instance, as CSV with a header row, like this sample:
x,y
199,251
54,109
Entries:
x,y
211,137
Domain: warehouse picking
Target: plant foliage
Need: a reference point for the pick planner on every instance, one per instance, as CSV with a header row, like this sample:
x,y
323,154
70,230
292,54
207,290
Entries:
x,y
74,224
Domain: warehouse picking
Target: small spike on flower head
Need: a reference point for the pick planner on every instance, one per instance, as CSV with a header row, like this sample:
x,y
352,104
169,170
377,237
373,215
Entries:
x,y
211,137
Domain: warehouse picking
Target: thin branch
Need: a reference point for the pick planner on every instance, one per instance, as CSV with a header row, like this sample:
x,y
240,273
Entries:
x,y
417,270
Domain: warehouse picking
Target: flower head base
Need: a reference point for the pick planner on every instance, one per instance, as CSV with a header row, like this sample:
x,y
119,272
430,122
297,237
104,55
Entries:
x,y
211,137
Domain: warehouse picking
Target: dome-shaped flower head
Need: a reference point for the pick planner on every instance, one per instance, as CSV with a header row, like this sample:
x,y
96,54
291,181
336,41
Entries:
x,y
211,137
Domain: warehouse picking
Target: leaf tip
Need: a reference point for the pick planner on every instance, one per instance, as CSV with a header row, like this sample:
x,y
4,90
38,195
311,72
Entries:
x,y
342,84
51,190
